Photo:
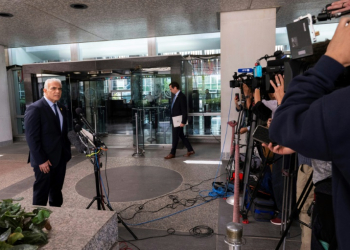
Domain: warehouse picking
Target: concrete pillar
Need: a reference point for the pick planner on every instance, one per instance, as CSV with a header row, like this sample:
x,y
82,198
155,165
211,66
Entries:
x,y
152,46
74,52
5,114
245,37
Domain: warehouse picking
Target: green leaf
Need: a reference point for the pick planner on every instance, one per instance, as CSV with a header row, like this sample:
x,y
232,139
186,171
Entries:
x,y
15,208
25,247
4,236
18,230
2,224
41,216
5,246
36,211
36,236
14,237
30,214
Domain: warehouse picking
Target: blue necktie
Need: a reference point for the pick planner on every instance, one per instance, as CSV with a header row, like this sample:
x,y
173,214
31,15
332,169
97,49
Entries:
x,y
57,116
173,102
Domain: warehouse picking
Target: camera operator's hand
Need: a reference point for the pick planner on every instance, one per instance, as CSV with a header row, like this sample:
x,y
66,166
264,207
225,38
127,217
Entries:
x,y
339,47
238,107
246,90
339,6
279,149
257,96
243,130
248,95
269,122
279,89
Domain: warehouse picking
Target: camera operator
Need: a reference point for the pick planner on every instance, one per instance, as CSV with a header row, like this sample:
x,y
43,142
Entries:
x,y
244,127
266,108
309,121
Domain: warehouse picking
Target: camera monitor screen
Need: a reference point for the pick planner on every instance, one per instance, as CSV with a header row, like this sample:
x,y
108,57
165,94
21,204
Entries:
x,y
299,39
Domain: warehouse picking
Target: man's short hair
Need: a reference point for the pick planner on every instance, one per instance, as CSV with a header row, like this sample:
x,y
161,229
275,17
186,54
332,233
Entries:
x,y
46,84
174,85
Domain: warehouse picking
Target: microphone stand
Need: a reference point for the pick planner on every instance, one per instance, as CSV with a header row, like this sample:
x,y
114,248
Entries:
x,y
98,186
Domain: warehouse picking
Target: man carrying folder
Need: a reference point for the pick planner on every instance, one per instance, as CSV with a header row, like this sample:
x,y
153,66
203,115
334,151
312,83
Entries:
x,y
178,108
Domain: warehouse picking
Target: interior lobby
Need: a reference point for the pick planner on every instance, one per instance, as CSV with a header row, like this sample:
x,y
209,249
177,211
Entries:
x,y
115,60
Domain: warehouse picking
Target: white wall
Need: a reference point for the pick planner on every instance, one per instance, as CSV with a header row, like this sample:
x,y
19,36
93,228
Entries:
x,y
245,37
5,116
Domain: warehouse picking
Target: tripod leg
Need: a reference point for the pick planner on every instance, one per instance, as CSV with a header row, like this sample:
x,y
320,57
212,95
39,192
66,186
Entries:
x,y
127,228
298,206
93,200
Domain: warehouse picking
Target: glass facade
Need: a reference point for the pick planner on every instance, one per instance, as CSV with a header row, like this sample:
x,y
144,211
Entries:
x,y
205,97
20,100
113,49
40,54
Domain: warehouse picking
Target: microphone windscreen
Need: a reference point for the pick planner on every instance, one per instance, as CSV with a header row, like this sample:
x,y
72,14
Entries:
x,y
77,128
78,111
75,141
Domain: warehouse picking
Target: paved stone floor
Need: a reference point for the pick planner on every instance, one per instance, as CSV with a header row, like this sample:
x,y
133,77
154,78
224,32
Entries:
x,y
132,189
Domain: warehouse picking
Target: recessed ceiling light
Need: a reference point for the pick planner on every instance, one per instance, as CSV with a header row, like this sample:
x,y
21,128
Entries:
x,y
93,75
2,14
77,73
79,6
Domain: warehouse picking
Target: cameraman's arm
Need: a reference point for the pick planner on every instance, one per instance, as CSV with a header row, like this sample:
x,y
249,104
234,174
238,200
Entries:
x,y
309,119
303,121
257,96
248,95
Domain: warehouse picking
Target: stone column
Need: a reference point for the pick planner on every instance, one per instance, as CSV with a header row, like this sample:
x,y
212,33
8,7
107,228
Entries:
x,y
5,114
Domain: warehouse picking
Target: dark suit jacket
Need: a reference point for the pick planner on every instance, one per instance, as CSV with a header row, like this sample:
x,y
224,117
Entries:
x,y
45,139
180,107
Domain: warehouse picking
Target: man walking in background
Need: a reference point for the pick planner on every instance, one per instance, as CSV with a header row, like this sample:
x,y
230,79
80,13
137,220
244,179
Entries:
x,y
46,133
179,107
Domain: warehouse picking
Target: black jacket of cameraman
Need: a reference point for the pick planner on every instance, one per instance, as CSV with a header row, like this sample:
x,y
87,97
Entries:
x,y
313,122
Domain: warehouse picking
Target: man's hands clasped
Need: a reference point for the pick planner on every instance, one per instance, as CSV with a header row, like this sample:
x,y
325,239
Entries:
x,y
45,167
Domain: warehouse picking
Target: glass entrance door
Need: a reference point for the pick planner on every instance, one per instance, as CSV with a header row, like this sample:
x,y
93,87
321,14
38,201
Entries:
x,y
151,98
91,97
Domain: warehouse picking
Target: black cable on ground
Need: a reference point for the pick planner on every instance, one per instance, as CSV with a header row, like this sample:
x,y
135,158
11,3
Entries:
x,y
175,201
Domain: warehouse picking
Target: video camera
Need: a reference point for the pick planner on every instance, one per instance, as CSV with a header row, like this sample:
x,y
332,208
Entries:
x,y
238,80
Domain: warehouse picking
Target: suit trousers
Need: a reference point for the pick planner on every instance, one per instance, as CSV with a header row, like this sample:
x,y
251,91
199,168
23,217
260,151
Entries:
x,y
178,132
49,186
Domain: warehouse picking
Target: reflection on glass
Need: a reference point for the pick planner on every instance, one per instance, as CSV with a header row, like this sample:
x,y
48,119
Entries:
x,y
204,125
151,97
206,87
20,101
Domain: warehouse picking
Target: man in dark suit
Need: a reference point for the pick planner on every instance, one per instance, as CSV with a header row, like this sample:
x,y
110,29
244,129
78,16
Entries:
x,y
46,133
179,107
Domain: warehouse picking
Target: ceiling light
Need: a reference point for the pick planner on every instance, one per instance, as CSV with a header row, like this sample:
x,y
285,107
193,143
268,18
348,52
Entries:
x,y
93,75
2,14
78,6
77,73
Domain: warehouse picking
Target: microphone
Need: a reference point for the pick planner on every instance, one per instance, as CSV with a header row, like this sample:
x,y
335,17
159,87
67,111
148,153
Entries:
x,y
75,140
84,133
79,112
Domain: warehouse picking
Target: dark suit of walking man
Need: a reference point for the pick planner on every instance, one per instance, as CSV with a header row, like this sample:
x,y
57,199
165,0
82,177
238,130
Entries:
x,y
179,107
46,133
